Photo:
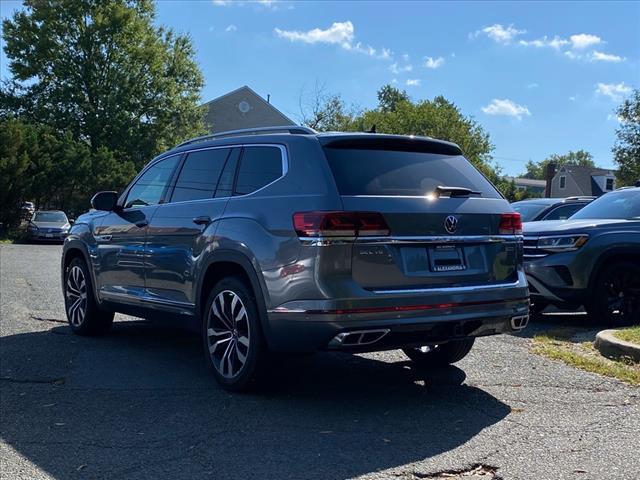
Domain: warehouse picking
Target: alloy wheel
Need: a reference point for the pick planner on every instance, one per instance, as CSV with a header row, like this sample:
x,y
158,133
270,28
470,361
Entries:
x,y
623,296
228,333
76,296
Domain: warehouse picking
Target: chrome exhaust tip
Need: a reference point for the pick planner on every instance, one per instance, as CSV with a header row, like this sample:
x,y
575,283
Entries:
x,y
358,338
519,322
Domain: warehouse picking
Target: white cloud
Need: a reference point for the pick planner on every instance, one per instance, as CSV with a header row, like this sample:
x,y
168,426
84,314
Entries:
x,y
573,98
506,107
231,28
605,57
615,91
572,55
434,63
339,33
398,69
584,40
222,3
556,42
273,4
499,33
405,57
615,118
413,82
533,85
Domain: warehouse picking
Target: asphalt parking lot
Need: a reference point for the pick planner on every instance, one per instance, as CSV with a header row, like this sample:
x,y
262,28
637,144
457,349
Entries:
x,y
139,403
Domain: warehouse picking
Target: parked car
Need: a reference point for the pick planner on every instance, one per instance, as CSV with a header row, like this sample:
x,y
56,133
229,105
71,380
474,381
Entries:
x,y
592,259
287,240
49,225
27,210
537,209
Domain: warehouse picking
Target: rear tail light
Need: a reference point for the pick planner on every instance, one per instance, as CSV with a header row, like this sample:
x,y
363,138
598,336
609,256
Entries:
x,y
339,224
510,224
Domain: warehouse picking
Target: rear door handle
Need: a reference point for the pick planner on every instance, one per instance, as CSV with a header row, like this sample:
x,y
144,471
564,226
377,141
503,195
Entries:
x,y
142,223
202,220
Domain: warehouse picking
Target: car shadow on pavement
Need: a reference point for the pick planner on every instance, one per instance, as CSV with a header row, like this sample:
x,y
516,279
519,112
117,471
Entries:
x,y
140,403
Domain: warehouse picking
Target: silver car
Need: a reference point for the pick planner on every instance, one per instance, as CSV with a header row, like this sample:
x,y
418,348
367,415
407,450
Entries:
x,y
287,240
48,225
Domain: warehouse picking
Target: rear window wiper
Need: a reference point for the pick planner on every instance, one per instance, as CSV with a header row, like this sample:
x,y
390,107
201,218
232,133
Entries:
x,y
445,191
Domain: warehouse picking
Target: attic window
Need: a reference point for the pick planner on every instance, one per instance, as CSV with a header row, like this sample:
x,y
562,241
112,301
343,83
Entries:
x,y
563,181
609,186
244,106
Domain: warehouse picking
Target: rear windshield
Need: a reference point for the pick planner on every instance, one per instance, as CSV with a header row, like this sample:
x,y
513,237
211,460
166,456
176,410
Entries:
x,y
402,173
528,211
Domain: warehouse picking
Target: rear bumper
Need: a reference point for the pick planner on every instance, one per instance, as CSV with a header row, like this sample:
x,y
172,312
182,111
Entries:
x,y
47,237
406,320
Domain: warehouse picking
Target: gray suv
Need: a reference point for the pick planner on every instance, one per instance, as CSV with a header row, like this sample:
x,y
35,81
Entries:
x,y
287,240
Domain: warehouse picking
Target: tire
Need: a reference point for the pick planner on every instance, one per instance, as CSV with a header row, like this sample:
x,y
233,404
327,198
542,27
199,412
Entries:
x,y
440,355
83,313
234,344
616,295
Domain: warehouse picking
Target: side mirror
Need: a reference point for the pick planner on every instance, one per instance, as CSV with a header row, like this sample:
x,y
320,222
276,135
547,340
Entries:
x,y
71,221
107,201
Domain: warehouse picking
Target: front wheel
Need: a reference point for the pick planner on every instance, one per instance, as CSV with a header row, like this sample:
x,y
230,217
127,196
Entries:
x,y
441,355
616,296
83,313
232,335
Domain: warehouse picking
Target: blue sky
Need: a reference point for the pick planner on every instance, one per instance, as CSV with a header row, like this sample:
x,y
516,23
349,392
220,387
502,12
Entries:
x,y
540,77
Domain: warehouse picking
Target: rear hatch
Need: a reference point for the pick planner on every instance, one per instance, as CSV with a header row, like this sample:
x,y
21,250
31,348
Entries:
x,y
448,226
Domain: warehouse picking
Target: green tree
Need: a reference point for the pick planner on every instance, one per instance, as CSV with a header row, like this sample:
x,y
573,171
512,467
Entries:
x,y
626,150
390,97
14,162
536,170
103,72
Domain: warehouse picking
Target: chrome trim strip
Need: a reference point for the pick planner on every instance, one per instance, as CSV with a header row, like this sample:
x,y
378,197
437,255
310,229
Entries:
x,y
324,241
414,291
169,303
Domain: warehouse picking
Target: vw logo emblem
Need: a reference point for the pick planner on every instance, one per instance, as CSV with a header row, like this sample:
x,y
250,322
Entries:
x,y
450,224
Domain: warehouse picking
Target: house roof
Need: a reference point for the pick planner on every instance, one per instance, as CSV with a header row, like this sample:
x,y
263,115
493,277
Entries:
x,y
583,176
243,108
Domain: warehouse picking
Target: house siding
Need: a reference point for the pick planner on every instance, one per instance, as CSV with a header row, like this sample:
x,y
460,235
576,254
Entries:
x,y
571,187
242,108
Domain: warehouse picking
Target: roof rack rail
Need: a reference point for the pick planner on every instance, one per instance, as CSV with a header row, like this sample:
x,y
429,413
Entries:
x,y
291,129
581,197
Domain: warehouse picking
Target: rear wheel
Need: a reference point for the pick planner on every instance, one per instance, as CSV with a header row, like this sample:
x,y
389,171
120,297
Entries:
x,y
440,355
233,340
83,313
616,295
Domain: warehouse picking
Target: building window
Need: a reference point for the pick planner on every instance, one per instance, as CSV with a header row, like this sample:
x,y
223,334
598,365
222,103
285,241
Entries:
x,y
563,181
609,184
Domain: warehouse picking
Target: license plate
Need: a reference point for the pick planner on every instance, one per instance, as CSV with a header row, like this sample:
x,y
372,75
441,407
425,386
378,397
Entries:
x,y
48,235
446,258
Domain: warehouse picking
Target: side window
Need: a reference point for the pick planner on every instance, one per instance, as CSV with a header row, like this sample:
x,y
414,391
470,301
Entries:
x,y
150,187
225,184
564,212
259,166
199,175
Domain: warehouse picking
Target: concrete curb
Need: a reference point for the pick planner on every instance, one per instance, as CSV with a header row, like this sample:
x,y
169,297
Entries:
x,y
611,346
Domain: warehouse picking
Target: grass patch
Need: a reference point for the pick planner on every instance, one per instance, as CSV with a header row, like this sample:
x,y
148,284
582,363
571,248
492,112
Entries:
x,y
631,334
571,347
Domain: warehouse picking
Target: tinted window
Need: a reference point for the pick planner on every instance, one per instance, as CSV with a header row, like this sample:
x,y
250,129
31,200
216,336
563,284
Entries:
x,y
386,172
259,166
150,187
528,211
225,184
624,204
199,175
49,217
563,212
